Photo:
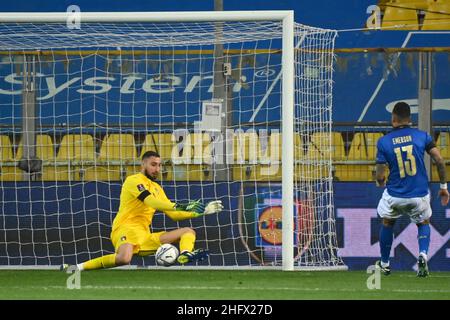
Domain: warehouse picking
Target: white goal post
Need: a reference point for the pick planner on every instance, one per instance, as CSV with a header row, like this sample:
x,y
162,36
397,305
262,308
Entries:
x,y
291,81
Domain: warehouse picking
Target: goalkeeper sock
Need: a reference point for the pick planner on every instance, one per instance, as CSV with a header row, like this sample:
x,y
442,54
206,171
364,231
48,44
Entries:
x,y
187,241
423,236
386,238
107,261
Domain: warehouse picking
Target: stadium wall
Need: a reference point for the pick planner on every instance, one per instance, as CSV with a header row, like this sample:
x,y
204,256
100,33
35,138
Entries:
x,y
113,95
78,212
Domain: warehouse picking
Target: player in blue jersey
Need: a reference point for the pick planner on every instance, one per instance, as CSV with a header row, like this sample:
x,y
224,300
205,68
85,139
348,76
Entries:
x,y
406,190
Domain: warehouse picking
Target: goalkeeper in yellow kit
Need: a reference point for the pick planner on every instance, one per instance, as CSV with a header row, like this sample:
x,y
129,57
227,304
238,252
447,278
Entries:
x,y
140,198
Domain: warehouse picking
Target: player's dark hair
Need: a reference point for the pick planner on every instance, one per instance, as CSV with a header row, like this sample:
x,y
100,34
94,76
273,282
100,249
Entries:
x,y
402,110
149,154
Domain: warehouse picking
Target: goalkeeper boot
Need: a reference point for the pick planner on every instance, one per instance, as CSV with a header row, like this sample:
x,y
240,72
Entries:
x,y
196,255
386,270
422,267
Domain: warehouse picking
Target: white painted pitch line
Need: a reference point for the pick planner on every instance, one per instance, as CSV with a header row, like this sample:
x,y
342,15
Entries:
x,y
414,276
227,288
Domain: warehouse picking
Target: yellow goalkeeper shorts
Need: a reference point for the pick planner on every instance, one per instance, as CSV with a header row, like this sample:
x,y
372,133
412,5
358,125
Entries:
x,y
144,242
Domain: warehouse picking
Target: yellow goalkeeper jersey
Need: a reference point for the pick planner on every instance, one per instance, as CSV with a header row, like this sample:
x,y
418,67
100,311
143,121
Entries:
x,y
133,211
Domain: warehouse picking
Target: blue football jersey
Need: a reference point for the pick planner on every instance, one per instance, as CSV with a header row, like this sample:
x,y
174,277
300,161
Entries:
x,y
403,151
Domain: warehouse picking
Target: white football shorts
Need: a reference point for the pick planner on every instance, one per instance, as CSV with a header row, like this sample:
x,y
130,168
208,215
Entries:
x,y
418,209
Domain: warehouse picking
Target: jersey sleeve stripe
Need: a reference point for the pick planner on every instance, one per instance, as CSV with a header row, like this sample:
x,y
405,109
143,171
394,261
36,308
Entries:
x,y
143,195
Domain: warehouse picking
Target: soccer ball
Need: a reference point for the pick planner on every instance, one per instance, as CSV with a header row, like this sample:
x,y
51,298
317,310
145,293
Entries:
x,y
166,255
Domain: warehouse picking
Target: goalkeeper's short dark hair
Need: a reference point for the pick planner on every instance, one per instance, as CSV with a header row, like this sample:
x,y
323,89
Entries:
x,y
402,110
149,154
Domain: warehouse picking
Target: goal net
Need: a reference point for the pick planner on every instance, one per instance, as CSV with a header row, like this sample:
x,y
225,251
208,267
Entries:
x,y
79,106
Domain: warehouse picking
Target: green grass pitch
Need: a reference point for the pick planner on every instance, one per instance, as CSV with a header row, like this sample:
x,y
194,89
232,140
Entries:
x,y
220,284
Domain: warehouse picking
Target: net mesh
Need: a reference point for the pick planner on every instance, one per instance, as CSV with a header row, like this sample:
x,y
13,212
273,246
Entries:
x,y
79,107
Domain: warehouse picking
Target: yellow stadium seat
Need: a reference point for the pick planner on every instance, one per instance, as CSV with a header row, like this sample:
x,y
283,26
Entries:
x,y
320,150
181,152
269,167
274,146
159,142
199,168
44,151
299,157
162,144
246,147
6,153
181,157
320,146
417,4
44,148
437,17
201,146
362,148
443,144
120,148
245,155
76,148
10,172
396,18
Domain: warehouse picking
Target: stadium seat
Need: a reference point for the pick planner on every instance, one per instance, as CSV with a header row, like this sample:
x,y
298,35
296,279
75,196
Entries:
x,y
319,151
181,150
362,148
443,144
437,17
299,148
319,146
246,147
199,168
245,155
162,144
45,151
396,18
8,173
44,148
119,148
269,168
418,4
299,156
200,143
76,148
6,153
159,142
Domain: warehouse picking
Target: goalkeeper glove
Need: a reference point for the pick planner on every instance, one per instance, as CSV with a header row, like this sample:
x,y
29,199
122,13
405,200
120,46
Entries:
x,y
211,208
192,206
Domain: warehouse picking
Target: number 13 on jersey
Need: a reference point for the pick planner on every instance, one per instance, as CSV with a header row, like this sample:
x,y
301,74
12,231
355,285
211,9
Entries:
x,y
408,166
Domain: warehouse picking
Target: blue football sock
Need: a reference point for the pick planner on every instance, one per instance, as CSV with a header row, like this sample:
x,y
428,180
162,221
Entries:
x,y
423,236
386,238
